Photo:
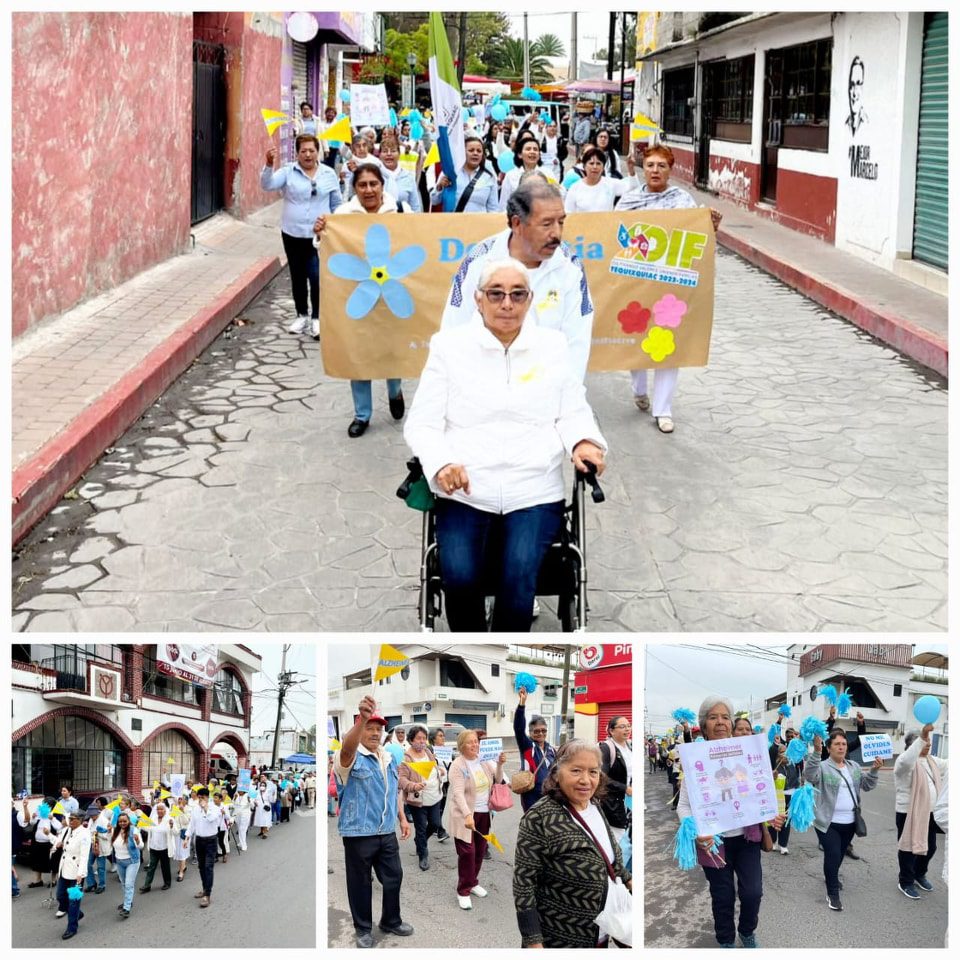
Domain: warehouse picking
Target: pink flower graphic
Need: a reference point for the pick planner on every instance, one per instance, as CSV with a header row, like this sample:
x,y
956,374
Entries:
x,y
634,318
668,311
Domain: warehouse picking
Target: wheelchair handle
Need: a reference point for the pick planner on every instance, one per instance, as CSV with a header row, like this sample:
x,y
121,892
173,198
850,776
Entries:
x,y
414,473
590,477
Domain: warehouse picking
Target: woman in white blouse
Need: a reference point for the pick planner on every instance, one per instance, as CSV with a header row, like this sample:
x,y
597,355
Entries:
x,y
595,193
42,839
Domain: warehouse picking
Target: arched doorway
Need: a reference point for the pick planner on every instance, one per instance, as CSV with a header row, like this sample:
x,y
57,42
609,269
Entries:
x,y
67,750
170,745
227,751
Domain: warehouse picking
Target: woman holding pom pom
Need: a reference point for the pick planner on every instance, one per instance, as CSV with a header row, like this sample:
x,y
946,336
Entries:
x,y
734,869
838,803
536,755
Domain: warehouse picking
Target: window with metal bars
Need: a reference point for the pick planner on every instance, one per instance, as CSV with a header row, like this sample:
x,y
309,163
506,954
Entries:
x,y
171,688
806,94
728,98
678,89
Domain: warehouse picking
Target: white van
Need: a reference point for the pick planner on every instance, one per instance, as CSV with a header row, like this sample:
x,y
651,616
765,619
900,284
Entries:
x,y
522,107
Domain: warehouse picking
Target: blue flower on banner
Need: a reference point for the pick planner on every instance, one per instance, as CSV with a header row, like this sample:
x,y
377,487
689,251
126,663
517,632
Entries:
x,y
378,275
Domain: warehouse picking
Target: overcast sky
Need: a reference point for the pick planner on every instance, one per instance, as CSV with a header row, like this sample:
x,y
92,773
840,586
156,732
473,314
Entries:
x,y
592,30
681,675
300,704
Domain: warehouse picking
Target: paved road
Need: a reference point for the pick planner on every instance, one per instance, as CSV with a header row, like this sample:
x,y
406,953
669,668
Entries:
x,y
794,910
805,489
265,897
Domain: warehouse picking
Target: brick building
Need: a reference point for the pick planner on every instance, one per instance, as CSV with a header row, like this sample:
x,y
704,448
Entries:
x,y
103,718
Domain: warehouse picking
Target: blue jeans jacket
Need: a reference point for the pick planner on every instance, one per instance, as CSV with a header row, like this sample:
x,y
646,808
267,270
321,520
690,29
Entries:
x,y
368,804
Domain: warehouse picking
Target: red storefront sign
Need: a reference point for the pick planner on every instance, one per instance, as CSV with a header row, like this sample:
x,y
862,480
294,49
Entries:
x,y
611,680
598,655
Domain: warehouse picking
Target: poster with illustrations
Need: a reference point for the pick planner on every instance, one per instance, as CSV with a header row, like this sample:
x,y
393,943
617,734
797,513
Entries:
x,y
729,782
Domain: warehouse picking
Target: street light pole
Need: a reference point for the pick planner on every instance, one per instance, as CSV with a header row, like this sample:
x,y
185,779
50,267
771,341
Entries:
x,y
526,54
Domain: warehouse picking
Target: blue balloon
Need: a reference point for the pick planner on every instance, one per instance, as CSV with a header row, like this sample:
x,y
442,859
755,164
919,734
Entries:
x,y
499,112
505,161
393,117
927,709
464,114
345,96
570,179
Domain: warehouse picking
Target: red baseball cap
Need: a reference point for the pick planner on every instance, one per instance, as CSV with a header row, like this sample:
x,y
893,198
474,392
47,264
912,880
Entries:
x,y
377,718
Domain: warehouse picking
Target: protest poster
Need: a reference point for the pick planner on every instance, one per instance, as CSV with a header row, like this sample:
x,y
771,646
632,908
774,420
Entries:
x,y
650,275
368,105
444,753
243,780
873,745
178,784
729,782
491,748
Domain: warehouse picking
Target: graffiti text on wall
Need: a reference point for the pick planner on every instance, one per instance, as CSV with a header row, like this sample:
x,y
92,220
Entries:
x,y
860,164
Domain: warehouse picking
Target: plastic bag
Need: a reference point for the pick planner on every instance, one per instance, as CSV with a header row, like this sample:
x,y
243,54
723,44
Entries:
x,y
616,917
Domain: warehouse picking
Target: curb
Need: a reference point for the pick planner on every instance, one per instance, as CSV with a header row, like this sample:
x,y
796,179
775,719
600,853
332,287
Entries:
x,y
40,482
906,337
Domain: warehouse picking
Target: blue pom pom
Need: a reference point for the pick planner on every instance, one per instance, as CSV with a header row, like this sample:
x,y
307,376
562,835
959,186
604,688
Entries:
x,y
416,130
844,703
570,179
829,693
796,750
525,681
697,739
393,117
757,728
684,715
773,733
44,811
801,812
685,844
812,727
785,710
75,892
414,115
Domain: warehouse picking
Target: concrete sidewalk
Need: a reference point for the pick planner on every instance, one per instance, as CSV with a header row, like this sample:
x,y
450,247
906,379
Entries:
x,y
80,379
908,317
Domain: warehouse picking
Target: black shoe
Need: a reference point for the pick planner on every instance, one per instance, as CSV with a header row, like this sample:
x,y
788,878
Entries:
x,y
424,863
69,934
442,835
397,406
487,855
833,902
99,889
365,939
166,886
144,889
402,930
81,915
89,889
357,428
850,853
124,914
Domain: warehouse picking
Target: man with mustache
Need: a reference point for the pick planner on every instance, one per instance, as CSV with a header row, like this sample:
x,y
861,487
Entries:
x,y
534,236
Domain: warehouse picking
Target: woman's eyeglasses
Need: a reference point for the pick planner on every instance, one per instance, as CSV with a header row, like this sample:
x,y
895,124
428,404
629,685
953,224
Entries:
x,y
517,297
313,189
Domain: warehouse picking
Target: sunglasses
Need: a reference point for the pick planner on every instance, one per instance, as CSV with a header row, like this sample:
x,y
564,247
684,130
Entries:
x,y
313,189
516,296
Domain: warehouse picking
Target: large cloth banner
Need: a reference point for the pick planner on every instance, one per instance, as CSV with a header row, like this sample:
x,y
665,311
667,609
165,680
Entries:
x,y
650,274
729,783
195,663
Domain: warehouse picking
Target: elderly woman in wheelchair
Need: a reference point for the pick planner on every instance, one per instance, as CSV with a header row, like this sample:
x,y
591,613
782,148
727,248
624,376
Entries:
x,y
497,411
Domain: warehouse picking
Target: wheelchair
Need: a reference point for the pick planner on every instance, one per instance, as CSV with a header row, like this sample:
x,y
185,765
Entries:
x,y
563,573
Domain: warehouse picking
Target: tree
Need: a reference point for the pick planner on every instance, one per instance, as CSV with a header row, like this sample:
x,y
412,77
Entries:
x,y
549,45
508,62
631,56
399,45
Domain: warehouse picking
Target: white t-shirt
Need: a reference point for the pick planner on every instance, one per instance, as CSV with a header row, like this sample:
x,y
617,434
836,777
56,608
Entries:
x,y
594,820
843,811
584,198
481,784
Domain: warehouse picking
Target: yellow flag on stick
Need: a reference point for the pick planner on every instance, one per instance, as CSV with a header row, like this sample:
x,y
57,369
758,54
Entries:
x,y
423,767
274,119
341,131
144,822
113,803
165,794
433,155
389,662
491,838
58,808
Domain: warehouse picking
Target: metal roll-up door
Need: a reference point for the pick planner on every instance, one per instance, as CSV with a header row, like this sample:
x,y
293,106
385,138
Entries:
x,y
300,75
470,721
930,211
608,710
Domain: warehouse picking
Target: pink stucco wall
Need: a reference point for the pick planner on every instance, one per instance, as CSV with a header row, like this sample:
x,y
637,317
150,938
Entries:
x,y
102,107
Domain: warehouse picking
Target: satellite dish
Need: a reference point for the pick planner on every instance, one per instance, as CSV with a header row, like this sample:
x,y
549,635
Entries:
x,y
813,692
302,26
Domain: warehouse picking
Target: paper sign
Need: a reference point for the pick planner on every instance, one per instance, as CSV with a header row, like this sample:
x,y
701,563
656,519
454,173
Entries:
x,y
873,745
243,780
491,748
368,105
444,753
650,275
729,782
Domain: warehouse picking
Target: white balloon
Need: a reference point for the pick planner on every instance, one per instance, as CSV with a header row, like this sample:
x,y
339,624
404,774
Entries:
x,y
302,26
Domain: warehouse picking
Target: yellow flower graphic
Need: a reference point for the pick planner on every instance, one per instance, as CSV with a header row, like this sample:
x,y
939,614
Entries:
x,y
534,373
658,344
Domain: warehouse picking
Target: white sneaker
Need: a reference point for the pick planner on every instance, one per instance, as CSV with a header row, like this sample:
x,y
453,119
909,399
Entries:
x,y
776,846
464,902
61,913
479,892
315,329
300,325
784,851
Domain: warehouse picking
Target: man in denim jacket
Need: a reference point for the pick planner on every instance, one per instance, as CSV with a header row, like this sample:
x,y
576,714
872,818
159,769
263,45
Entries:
x,y
368,791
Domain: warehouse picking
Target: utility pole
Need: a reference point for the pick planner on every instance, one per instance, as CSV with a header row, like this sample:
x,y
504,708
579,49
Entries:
x,y
526,54
284,680
574,65
462,50
566,689
611,43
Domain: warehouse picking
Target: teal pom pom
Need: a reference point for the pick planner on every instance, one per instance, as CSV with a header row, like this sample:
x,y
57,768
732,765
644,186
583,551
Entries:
x,y
801,812
812,727
525,681
796,750
785,710
570,179
685,844
829,693
44,811
773,733
697,739
684,715
844,703
75,892
757,728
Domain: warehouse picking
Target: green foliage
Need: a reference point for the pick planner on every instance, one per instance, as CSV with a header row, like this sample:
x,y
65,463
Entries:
x,y
399,45
508,62
549,45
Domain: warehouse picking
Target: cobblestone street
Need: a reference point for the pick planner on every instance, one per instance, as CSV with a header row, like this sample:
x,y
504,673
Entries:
x,y
805,489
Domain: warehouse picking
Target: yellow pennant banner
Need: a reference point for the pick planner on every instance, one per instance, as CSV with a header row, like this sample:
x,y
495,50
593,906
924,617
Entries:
x,y
423,767
650,274
58,808
491,838
274,119
389,660
341,131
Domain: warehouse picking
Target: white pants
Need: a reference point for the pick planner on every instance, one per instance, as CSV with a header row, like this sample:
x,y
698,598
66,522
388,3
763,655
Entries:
x,y
664,386
243,824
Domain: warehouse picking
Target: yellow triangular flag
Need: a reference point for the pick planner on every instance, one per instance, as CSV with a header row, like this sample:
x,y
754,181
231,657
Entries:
x,y
165,794
423,767
113,804
144,822
433,155
58,808
274,119
641,120
491,838
341,131
389,662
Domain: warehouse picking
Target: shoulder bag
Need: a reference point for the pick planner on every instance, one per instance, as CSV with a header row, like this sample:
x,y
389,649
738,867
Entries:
x,y
524,781
859,824
468,192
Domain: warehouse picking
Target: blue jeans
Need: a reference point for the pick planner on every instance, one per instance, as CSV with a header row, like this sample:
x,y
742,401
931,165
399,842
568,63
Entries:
x,y
362,391
16,886
275,811
524,536
128,880
98,879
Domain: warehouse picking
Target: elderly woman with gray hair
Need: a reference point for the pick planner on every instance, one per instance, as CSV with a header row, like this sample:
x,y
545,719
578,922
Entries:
x,y
734,870
498,410
920,781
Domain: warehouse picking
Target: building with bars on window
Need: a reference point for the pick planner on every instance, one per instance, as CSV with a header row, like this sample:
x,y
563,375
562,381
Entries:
x,y
102,718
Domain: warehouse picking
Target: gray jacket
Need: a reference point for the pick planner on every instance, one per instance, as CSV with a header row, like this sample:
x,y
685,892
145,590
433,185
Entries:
x,y
826,776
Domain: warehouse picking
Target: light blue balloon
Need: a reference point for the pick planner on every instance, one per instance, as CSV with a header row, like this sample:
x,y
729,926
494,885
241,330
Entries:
x,y
345,96
393,117
499,112
505,161
464,114
570,179
927,709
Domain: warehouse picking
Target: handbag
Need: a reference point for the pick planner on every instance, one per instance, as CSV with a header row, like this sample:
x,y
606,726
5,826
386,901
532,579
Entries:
x,y
500,798
524,781
859,824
